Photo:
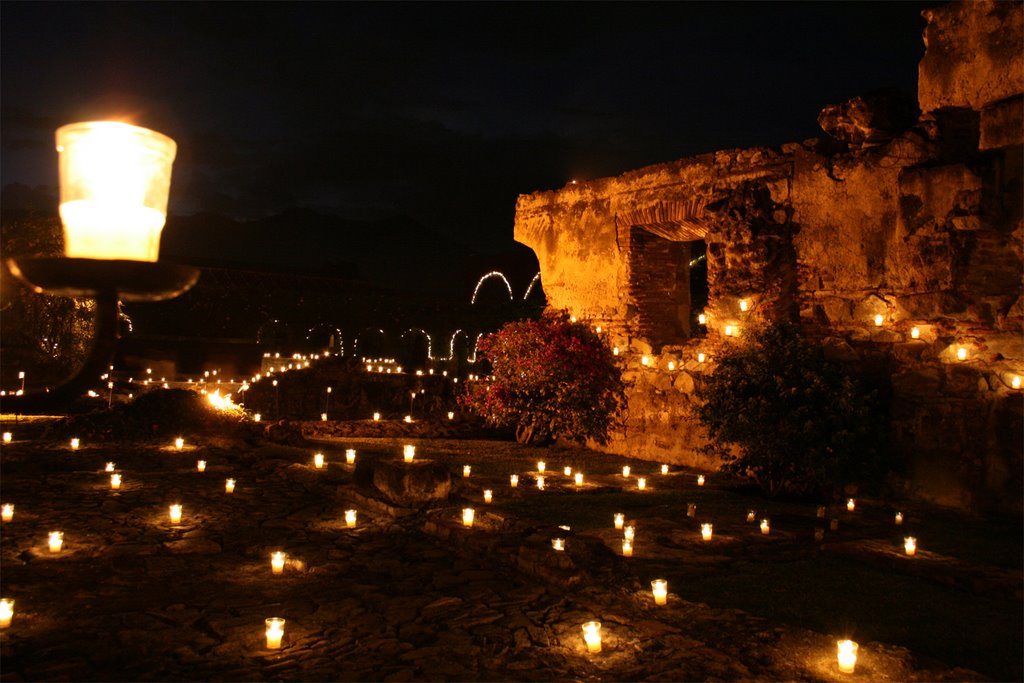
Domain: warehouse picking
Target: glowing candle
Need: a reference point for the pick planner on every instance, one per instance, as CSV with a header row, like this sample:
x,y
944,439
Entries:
x,y
7,512
1015,382
820,513
513,480
628,532
691,509
641,483
660,589
350,456
851,504
540,483
277,561
700,480
910,546
592,636
7,437
75,443
627,548
409,452
744,305
915,333
615,350
275,633
671,365
201,465
376,417
847,656
350,518
558,544
819,534
701,357
899,518
765,527
451,415
115,481
705,531
751,515
567,471
175,513
664,469
961,353
645,360
834,524
323,417
467,516
541,465
730,331
488,495
466,470
625,470
702,319
579,479
109,467
179,443
408,418
256,417
56,541
6,612
879,319
229,486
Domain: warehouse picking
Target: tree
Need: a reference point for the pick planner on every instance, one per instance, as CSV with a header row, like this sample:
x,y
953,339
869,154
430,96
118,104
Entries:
x,y
776,410
552,378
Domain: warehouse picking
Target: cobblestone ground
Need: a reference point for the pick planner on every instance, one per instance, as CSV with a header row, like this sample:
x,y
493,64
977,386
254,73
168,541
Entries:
x,y
416,597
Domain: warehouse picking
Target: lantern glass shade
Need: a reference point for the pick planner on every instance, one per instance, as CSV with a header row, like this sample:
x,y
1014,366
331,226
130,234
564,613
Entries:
x,y
115,179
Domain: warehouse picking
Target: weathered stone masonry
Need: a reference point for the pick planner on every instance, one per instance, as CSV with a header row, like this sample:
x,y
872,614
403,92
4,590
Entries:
x,y
920,223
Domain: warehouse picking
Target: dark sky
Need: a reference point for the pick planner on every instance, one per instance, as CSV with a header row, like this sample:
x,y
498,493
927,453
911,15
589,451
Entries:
x,y
440,112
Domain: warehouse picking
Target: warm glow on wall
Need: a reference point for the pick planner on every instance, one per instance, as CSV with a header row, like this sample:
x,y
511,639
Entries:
x,y
115,179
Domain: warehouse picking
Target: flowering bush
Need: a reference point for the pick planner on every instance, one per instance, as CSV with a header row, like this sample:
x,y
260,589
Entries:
x,y
552,378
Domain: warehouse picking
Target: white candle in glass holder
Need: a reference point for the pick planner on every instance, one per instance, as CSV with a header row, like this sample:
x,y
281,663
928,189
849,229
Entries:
x,y
625,470
620,519
879,319
751,515
664,469
513,480
350,518
915,333
579,479
641,483
323,417
660,589
766,527
467,516
847,655
175,513
257,417
628,532
706,531
466,470
488,495
277,561
179,443
898,518
318,461
56,541
376,417
408,452
408,418
115,481
275,633
627,548
910,546
820,512
851,505
567,471
201,465
350,456
592,636
109,467
558,544
540,483
961,353
700,480
6,612
8,437
75,443
541,465
7,512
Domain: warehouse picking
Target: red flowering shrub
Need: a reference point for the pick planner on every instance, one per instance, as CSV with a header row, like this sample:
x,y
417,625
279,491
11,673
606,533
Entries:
x,y
552,378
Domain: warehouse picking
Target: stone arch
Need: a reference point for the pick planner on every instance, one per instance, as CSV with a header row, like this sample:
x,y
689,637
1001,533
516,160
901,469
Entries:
x,y
325,336
488,276
370,342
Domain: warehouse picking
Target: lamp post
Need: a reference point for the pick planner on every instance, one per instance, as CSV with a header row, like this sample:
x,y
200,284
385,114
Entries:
x,y
114,184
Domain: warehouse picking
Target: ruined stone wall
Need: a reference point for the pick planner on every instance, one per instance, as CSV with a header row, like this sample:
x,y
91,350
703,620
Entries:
x,y
922,226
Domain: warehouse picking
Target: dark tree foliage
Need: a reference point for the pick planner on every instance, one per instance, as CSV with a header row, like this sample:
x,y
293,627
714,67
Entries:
x,y
553,378
776,410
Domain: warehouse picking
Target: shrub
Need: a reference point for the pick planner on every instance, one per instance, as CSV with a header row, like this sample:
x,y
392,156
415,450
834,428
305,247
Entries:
x,y
776,410
553,378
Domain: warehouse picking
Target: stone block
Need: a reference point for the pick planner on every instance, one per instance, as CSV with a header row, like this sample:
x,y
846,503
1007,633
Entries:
x,y
1002,124
412,484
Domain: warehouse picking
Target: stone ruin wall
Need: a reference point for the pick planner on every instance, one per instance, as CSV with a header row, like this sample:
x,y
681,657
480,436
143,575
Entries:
x,y
922,225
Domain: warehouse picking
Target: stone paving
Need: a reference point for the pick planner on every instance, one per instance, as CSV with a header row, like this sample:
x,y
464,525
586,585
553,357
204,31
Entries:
x,y
412,597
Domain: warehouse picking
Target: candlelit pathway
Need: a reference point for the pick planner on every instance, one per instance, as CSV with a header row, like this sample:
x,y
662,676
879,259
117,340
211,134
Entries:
x,y
132,597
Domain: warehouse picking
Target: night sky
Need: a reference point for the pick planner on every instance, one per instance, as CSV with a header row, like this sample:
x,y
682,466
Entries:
x,y
442,113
